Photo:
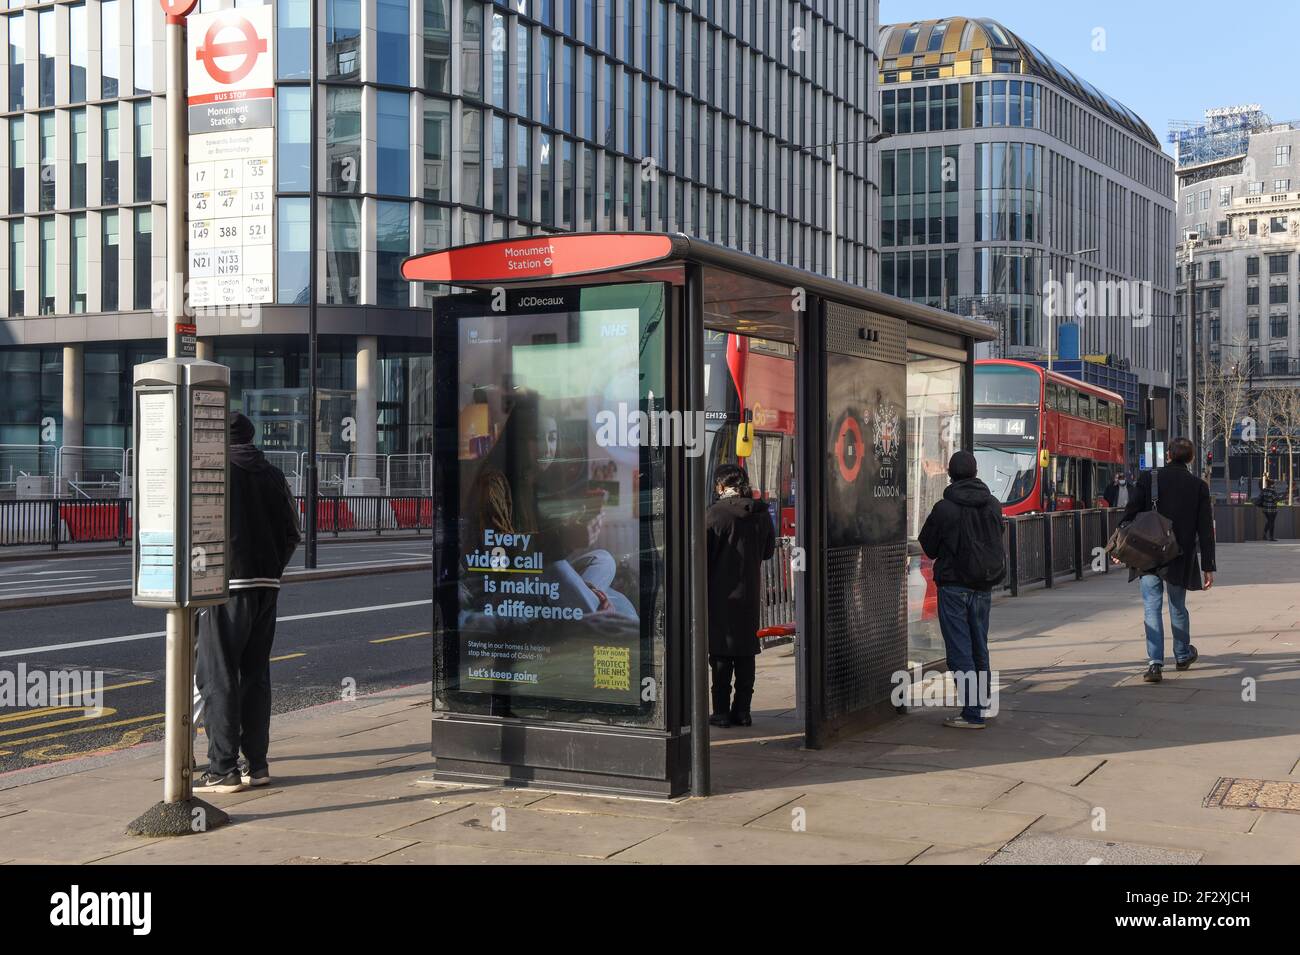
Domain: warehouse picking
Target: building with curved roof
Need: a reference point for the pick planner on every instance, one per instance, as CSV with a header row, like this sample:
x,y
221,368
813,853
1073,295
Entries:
x,y
1006,175
980,45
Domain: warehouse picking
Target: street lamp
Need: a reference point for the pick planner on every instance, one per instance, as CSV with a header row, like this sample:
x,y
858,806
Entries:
x,y
834,171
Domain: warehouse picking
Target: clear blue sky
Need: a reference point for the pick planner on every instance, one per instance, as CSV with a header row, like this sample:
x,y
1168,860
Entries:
x,y
1163,59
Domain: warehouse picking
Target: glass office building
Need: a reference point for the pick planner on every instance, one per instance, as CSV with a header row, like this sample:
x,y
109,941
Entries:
x,y
440,122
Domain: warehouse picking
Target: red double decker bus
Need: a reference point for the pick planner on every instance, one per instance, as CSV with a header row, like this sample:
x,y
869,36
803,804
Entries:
x,y
1022,411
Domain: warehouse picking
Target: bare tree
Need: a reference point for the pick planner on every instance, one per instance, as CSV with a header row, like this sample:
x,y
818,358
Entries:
x,y
1226,405
1278,415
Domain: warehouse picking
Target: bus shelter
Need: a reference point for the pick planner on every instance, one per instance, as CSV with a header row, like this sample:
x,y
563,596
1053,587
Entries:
x,y
585,385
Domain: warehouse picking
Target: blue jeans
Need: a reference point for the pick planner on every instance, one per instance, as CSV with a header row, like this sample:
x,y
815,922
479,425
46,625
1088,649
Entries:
x,y
964,623
1153,589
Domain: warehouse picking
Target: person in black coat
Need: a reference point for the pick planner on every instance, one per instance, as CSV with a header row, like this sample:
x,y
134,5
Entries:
x,y
233,672
1185,499
1267,503
741,536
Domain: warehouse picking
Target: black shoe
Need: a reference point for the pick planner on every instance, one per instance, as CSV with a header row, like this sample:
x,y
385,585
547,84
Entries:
x,y
741,719
720,719
1153,674
257,777
1184,664
212,783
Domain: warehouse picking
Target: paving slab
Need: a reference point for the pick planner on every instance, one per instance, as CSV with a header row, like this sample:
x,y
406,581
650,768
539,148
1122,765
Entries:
x,y
581,834
701,843
837,815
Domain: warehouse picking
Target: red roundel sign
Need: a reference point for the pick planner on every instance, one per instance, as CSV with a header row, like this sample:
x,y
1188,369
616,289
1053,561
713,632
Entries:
x,y
848,449
240,54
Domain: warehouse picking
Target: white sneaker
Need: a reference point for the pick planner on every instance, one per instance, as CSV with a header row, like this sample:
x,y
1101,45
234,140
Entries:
x,y
960,723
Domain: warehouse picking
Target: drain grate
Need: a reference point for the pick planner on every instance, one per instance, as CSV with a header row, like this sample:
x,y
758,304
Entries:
x,y
1232,792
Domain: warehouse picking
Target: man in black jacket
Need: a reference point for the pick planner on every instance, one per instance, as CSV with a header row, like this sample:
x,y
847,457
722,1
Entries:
x,y
963,536
1268,504
234,666
741,536
1185,499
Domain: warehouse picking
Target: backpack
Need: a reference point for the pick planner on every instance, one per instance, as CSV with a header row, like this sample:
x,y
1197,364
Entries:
x,y
1147,541
980,561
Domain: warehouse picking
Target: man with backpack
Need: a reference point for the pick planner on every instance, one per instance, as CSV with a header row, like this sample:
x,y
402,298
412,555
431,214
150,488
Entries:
x,y
1181,497
963,536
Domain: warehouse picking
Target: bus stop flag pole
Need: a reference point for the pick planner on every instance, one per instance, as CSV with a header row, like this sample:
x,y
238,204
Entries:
x,y
162,560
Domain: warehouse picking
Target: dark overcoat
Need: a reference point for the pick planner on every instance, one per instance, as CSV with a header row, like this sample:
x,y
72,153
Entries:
x,y
1185,500
740,537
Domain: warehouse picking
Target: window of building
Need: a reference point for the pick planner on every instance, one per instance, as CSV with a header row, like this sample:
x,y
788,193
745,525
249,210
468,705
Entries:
x,y
394,144
109,146
1278,294
293,251
1225,196
17,54
1277,326
393,42
343,139
392,245
1252,326
1281,185
1215,297
500,175
437,46
78,53
1216,269
1252,265
1252,295
437,149
1205,199
143,152
1254,188
471,157
77,125
471,73
110,46
45,47
109,254
1279,264
293,128
1281,155
49,177
343,252
77,226
343,38
293,39
17,162
142,249
1252,227
523,96
142,44
17,267
48,265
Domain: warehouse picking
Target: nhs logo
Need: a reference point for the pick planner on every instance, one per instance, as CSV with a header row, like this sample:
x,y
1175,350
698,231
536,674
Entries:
x,y
617,330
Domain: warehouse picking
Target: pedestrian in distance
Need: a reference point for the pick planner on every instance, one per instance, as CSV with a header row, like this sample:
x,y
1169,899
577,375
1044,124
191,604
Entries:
x,y
234,665
1184,499
740,536
1267,502
963,536
1116,493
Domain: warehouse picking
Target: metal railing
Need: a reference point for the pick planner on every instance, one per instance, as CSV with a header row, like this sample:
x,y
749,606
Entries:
x,y
51,522
1070,543
776,598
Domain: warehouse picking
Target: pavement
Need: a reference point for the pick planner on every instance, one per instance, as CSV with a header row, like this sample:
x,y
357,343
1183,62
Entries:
x,y
42,579
1084,764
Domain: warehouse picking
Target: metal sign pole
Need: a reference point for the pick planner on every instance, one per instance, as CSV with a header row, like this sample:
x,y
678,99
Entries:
x,y
167,556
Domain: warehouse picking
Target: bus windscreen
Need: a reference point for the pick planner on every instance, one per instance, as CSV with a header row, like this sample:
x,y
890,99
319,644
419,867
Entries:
x,y
1008,472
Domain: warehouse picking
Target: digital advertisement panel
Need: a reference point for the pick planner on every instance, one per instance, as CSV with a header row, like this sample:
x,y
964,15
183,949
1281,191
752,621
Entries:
x,y
550,447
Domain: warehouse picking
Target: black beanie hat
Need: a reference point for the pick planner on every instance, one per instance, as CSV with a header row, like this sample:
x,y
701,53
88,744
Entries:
x,y
962,465
241,429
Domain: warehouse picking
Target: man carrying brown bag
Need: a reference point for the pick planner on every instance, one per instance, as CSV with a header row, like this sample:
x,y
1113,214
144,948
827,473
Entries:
x,y
1184,499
